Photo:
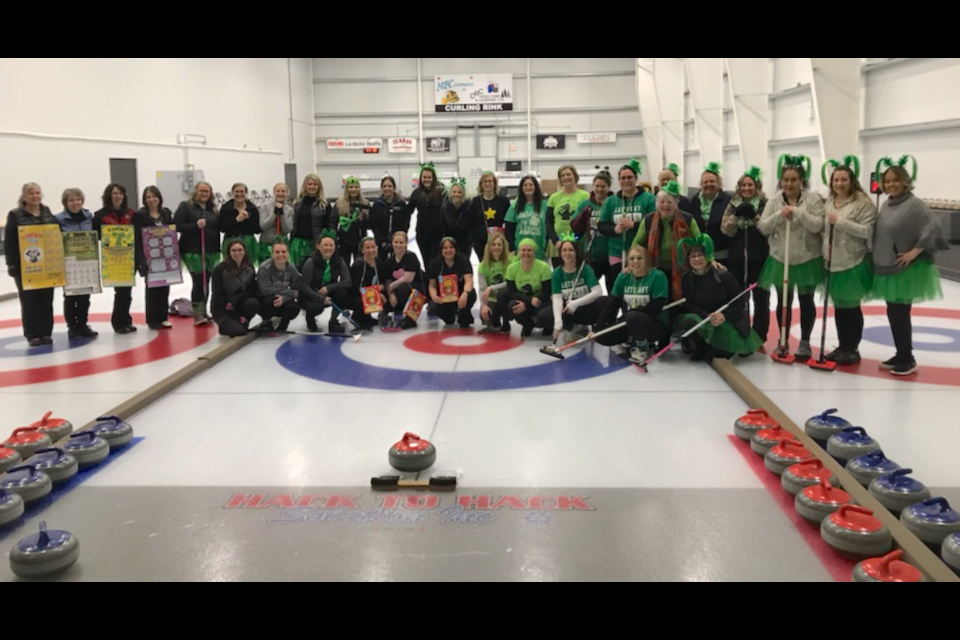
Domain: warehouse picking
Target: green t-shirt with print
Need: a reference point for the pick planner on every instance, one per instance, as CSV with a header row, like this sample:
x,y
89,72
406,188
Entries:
x,y
565,207
563,282
598,252
539,273
638,292
495,273
531,224
616,208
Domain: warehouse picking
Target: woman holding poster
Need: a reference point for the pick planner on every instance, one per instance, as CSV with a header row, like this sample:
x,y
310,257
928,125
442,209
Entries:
x,y
405,291
367,279
120,244
451,286
154,215
36,305
75,219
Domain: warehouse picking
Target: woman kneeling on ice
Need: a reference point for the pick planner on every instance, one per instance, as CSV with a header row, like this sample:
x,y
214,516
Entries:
x,y
577,298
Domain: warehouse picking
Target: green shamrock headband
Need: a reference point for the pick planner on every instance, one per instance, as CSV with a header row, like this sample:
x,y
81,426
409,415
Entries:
x,y
786,161
702,242
851,162
886,163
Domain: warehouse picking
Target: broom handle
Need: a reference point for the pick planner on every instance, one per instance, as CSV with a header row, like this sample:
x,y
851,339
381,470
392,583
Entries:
x,y
613,328
826,297
784,329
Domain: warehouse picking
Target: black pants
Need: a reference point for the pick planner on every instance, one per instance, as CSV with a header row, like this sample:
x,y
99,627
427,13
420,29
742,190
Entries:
x,y
530,317
198,294
76,311
902,327
403,293
313,308
761,297
640,328
429,244
236,323
588,315
808,313
36,312
158,305
602,271
850,327
496,311
451,313
122,298
286,312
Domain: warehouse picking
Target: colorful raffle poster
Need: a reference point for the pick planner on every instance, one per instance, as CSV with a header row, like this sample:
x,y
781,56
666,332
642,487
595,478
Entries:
x,y
41,257
414,305
118,254
162,253
81,251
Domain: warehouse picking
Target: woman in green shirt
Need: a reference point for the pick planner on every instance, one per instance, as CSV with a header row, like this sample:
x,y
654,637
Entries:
x,y
528,290
561,208
492,273
527,216
577,297
585,226
623,213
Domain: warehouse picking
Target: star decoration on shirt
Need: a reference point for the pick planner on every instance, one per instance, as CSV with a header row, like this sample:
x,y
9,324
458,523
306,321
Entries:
x,y
491,213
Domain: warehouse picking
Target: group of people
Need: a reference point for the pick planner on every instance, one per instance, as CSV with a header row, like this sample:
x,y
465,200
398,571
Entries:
x,y
541,259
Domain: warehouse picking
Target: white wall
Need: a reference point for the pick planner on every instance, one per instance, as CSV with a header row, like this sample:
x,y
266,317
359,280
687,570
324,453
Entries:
x,y
93,109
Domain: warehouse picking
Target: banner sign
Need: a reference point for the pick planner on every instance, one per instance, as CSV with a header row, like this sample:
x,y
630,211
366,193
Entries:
x,y
473,93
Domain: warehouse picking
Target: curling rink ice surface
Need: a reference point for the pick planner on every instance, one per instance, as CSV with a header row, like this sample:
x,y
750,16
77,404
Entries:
x,y
584,469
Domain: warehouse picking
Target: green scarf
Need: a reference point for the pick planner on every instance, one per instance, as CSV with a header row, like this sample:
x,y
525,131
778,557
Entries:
x,y
705,207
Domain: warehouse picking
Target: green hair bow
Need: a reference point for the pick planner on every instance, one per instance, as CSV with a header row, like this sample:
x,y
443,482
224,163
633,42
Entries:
x,y
712,167
674,168
352,181
458,182
753,172
786,160
886,163
702,242
852,162
636,165
568,237
329,233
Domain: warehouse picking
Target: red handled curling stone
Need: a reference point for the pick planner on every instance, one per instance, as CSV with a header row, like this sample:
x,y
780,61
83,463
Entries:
x,y
56,428
9,458
767,439
57,464
850,443
88,448
26,440
855,534
44,554
11,507
896,491
115,431
932,521
412,454
755,420
785,455
870,466
890,568
951,552
821,427
806,474
814,504
28,483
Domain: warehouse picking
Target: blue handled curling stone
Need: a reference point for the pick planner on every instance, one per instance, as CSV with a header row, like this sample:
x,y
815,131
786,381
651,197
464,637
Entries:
x,y
57,464
871,465
827,424
951,552
28,483
850,443
897,491
11,507
933,521
44,554
88,448
115,431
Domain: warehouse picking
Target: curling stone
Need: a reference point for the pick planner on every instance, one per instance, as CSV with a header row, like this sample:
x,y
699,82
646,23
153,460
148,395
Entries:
x,y
814,504
806,474
755,420
115,431
890,568
785,455
88,448
767,439
26,440
821,427
850,443
412,454
932,521
44,554
896,491
11,507
866,468
28,483
9,458
56,428
57,464
951,552
855,533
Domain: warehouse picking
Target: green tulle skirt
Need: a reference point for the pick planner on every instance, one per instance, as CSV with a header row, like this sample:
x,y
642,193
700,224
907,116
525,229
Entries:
x,y
805,277
265,252
300,250
920,282
724,337
194,262
848,289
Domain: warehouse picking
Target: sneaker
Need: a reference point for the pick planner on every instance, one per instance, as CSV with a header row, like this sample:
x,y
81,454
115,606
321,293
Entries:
x,y
526,331
568,337
274,323
804,352
200,320
312,325
638,355
505,328
905,368
154,327
547,332
408,324
890,364
620,350
833,355
36,342
847,358
335,326
166,325
87,331
73,333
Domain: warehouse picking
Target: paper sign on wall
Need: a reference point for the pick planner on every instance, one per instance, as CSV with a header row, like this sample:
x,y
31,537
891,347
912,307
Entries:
x,y
354,144
473,93
402,145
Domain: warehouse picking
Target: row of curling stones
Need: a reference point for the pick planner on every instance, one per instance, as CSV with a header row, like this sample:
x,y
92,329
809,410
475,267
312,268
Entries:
x,y
27,440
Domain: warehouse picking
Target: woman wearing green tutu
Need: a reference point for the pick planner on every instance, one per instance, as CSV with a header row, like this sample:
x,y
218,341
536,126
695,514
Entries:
x,y
311,215
852,216
706,290
904,242
803,211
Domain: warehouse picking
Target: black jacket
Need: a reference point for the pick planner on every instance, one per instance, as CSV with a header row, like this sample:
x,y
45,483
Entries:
x,y
362,275
229,288
478,208
310,218
348,240
712,227
749,242
227,223
186,218
311,279
707,293
387,219
462,225
429,210
11,240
